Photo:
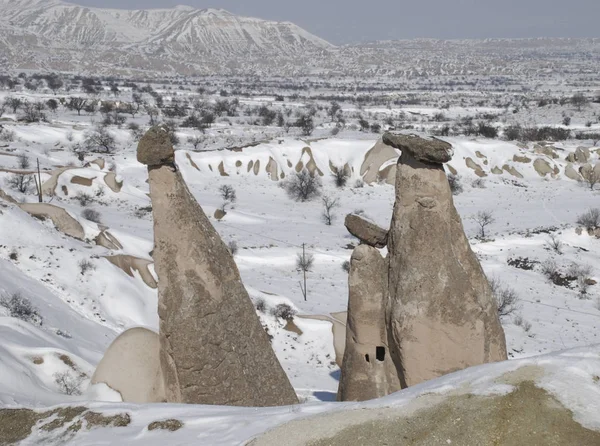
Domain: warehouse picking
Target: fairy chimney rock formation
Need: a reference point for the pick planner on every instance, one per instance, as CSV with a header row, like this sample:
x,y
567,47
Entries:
x,y
441,314
213,349
366,231
368,371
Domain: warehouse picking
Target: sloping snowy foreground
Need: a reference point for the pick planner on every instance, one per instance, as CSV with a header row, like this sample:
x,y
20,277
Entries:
x,y
572,377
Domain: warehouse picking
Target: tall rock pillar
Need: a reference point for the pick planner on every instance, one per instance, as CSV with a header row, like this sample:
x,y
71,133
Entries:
x,y
213,349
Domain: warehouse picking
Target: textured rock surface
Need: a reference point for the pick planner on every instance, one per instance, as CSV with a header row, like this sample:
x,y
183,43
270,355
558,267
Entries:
x,y
131,366
213,349
442,315
155,147
366,231
426,150
367,370
528,415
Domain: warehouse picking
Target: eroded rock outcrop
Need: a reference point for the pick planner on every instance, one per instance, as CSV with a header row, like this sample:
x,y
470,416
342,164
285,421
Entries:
x,y
366,231
131,367
442,316
368,371
213,349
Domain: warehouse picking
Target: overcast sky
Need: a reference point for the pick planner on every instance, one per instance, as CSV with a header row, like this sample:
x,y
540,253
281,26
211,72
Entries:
x,y
351,21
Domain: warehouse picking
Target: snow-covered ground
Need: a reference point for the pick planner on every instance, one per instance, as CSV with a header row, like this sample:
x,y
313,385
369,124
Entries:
x,y
82,301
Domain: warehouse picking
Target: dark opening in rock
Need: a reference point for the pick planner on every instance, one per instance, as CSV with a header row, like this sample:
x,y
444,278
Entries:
x,y
380,353
367,357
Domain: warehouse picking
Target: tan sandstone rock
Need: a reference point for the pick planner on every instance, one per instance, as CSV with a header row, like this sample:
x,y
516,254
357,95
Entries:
x,y
213,349
131,367
155,148
442,316
367,232
367,370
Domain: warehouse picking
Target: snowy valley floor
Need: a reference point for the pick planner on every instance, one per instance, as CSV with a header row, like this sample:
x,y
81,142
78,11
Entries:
x,y
85,307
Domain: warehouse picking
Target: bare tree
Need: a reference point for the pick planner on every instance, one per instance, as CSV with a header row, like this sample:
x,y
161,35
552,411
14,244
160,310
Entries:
x,y
591,177
483,220
195,140
228,193
328,205
579,100
13,103
77,104
302,186
99,140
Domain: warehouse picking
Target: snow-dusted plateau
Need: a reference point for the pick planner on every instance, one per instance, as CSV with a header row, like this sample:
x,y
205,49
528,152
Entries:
x,y
249,104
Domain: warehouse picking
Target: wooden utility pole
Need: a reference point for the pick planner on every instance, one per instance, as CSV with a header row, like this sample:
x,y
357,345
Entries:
x,y
303,288
39,182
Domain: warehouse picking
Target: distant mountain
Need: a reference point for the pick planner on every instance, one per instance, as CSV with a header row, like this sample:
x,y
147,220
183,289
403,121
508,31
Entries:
x,y
56,35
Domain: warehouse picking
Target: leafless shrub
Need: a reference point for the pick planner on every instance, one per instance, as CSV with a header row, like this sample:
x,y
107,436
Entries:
x,y
302,186
506,297
455,184
20,182
554,244
479,183
519,321
304,262
99,140
260,305
483,220
21,307
328,205
233,247
228,193
142,211
283,311
85,266
550,269
590,219
346,266
69,383
359,184
582,274
83,198
340,176
92,215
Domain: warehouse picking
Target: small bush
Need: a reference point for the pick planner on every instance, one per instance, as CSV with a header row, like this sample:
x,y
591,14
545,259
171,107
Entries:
x,y
329,204
340,176
305,262
479,183
455,185
590,219
20,182
302,186
69,383
84,199
359,184
21,307
260,305
228,193
92,215
283,311
233,247
143,211
85,266
506,297
346,266
14,255
554,244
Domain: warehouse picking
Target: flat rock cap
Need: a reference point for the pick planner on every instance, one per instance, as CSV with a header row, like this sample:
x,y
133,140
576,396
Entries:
x,y
155,147
429,150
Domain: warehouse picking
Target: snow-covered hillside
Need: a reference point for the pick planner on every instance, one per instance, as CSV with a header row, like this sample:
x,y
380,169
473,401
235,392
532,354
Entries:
x,y
155,39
